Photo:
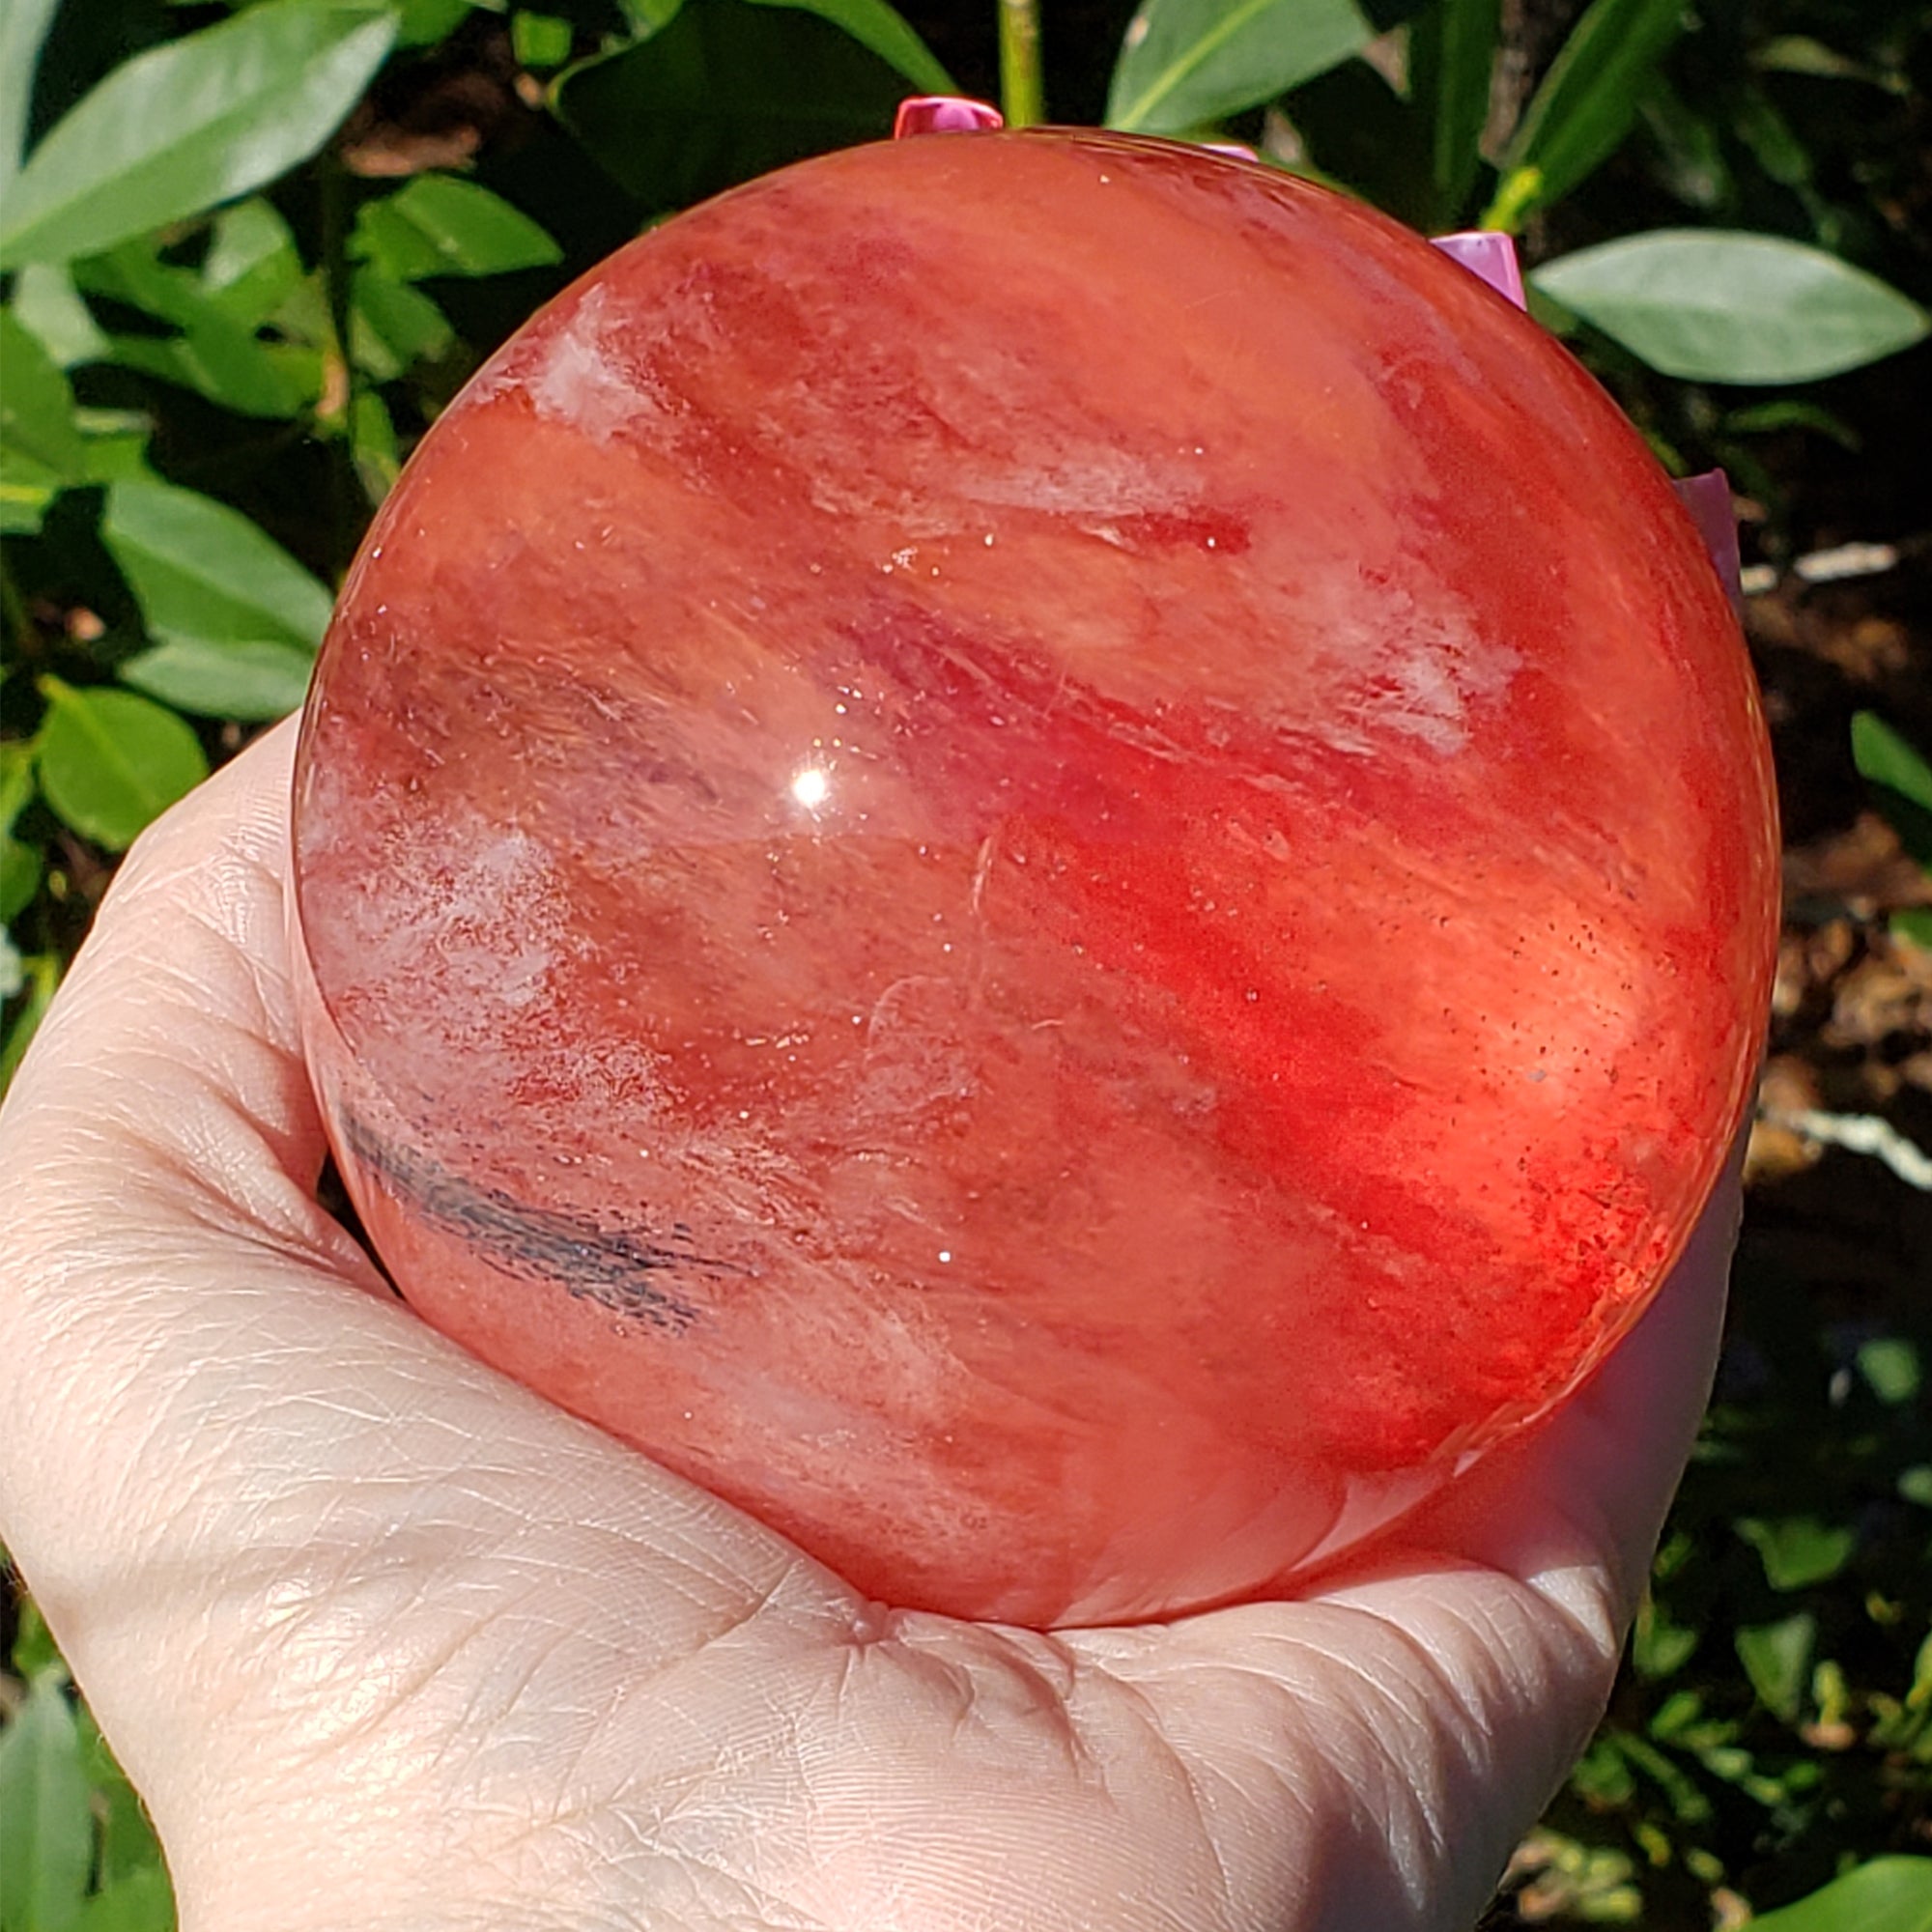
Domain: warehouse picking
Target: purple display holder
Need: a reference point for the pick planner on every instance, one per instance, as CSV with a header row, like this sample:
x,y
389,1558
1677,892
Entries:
x,y
1488,256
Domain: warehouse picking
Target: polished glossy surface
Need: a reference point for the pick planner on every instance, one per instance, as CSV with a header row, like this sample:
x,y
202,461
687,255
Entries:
x,y
1046,854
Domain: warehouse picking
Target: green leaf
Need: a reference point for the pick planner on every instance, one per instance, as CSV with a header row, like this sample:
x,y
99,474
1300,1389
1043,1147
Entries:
x,y
1777,1659
45,1823
1452,60
16,780
422,24
141,1902
1659,1647
111,761
23,28
34,1646
19,876
727,90
1886,1895
1586,104
1186,64
1715,305
1798,1550
373,447
1890,1366
252,265
47,301
217,353
881,31
1912,927
192,122
235,618
438,225
1358,132
35,402
540,40
1886,758
43,971
392,326
128,1841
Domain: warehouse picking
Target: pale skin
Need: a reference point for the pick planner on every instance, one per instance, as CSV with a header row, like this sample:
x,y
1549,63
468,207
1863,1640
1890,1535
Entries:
x,y
386,1642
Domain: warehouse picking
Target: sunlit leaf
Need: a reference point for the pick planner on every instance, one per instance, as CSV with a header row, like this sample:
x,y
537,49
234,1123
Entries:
x,y
1186,64
1886,757
193,123
23,27
1798,1550
110,762
47,302
1715,305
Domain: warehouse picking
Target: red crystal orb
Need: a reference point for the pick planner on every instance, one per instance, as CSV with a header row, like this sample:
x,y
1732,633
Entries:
x,y
1046,855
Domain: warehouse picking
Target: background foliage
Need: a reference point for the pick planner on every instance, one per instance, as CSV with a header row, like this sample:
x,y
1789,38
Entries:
x,y
249,252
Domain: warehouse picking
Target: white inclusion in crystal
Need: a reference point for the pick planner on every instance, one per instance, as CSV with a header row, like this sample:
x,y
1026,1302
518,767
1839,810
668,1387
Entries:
x,y
811,786
577,381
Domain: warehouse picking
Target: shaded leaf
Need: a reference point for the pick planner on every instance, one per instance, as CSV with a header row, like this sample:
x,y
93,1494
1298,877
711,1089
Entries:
x,y
45,1823
422,24
110,762
1886,1895
438,225
1587,101
1186,64
43,971
881,31
129,1843
35,402
1452,60
19,876
1798,1550
192,122
235,618
727,90
392,326
1360,133
1777,1659
1886,757
1716,305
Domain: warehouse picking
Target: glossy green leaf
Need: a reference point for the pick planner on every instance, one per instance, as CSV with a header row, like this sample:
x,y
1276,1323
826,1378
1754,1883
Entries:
x,y
1777,1659
438,225
1886,757
1798,1550
35,402
140,1902
726,91
881,31
1587,101
45,1824
1186,64
1714,305
1452,61
110,762
1886,1895
193,123
47,302
23,27
43,971
235,618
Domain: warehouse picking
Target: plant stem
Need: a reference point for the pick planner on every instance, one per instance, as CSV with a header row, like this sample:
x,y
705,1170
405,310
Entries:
x,y
1022,86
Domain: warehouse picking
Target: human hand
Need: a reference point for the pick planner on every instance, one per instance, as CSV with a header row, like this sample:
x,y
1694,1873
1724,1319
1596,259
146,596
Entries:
x,y
388,1642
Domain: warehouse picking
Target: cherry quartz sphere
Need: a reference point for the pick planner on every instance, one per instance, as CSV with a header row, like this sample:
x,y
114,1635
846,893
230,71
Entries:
x,y
1046,855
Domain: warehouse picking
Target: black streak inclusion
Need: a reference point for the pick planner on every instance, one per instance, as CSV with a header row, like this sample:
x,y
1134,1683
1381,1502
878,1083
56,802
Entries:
x,y
619,1268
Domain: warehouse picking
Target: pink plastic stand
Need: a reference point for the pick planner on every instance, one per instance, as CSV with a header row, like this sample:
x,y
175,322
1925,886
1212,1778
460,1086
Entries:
x,y
1708,498
944,114
1491,256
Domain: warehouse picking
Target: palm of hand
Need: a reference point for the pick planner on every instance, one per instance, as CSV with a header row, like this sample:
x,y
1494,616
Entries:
x,y
386,1641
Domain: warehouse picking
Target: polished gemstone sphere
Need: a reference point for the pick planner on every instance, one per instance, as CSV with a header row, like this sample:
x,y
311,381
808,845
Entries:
x,y
1046,855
